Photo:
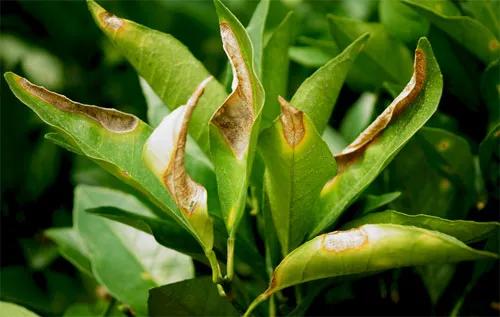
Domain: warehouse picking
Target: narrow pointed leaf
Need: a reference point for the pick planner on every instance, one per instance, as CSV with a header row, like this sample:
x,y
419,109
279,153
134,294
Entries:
x,y
467,31
111,138
255,30
143,263
234,127
275,64
164,154
464,230
317,95
366,157
487,12
71,247
369,248
298,164
401,21
359,116
166,64
374,57
373,202
195,297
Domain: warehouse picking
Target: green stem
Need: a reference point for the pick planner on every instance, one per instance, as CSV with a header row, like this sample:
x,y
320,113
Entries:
x,y
214,264
272,307
230,258
109,308
262,297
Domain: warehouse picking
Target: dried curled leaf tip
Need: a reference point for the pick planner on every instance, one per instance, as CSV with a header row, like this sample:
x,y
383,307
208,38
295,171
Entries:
x,y
292,121
111,119
235,117
401,102
164,153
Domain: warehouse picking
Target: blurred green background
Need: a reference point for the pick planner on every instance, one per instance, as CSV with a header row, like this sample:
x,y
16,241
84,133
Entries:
x,y
57,45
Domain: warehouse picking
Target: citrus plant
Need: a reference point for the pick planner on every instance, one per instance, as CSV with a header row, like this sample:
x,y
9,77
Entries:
x,y
254,188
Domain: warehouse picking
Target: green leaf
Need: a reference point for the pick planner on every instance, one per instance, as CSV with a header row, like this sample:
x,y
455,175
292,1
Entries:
x,y
373,202
358,116
369,248
143,263
166,64
157,109
380,142
436,278
309,56
485,11
255,30
71,247
63,141
235,125
464,230
111,138
490,82
13,310
317,95
442,175
298,164
469,32
195,297
275,65
384,57
489,153
401,21
334,140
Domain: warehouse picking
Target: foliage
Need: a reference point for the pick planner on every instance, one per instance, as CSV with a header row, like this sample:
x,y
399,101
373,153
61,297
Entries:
x,y
265,194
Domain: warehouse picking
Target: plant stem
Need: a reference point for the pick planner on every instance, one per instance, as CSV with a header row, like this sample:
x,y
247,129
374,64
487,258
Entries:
x,y
109,308
214,264
230,258
262,297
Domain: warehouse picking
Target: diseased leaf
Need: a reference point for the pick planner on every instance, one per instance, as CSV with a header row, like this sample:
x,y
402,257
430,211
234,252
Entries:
x,y
166,64
71,247
164,153
441,166
358,116
366,157
275,64
195,297
368,248
235,125
317,95
469,32
463,230
143,263
111,138
298,164
374,59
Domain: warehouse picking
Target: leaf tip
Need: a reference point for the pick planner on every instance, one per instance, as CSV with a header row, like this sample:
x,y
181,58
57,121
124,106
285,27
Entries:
x,y
104,19
292,121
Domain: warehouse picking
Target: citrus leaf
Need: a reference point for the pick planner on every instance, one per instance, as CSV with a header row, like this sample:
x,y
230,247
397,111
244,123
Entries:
x,y
366,157
275,65
317,95
358,116
195,297
374,57
143,263
467,31
166,64
298,164
255,30
13,310
464,230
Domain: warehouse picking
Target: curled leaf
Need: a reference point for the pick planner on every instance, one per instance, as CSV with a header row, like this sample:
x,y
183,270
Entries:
x,y
236,115
164,153
405,98
111,119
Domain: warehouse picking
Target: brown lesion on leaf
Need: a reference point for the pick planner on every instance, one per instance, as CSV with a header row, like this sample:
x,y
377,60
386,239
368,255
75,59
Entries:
x,y
339,241
235,117
188,194
405,98
292,121
110,21
111,119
